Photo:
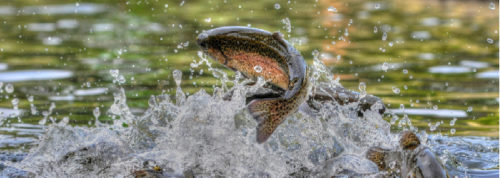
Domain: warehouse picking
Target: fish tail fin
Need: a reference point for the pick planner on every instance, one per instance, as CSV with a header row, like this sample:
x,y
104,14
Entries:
x,y
269,114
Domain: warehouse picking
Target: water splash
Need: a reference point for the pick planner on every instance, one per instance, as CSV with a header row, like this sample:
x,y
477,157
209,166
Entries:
x,y
207,135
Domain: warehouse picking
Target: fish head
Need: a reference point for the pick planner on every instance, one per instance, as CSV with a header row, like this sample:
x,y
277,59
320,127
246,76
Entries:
x,y
210,47
253,52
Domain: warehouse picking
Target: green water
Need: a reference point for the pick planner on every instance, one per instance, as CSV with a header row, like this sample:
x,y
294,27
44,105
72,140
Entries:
x,y
146,40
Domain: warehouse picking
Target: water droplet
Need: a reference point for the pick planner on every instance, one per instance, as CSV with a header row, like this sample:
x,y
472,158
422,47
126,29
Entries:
x,y
385,66
405,71
277,6
121,79
492,6
452,122
15,103
396,90
391,44
257,69
402,106
435,107
114,72
332,9
434,127
375,29
469,109
384,36
490,41
64,121
166,5
452,131
362,89
288,24
31,99
208,20
96,112
177,74
9,88
394,119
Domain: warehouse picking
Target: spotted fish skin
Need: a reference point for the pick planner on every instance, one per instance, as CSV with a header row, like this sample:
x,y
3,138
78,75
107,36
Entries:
x,y
242,49
419,160
411,159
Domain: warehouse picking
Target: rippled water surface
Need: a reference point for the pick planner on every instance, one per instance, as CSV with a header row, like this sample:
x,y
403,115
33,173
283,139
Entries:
x,y
93,80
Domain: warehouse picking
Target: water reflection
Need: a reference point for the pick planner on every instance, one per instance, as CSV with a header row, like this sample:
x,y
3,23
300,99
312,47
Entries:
x,y
430,21
51,41
103,27
62,98
33,75
488,74
449,69
92,91
448,113
67,23
3,66
63,9
426,56
474,64
41,27
7,10
421,35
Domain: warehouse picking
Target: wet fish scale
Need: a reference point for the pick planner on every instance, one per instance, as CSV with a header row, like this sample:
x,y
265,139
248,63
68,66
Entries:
x,y
246,61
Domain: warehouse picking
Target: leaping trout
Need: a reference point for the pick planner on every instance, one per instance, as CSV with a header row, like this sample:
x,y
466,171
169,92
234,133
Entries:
x,y
258,53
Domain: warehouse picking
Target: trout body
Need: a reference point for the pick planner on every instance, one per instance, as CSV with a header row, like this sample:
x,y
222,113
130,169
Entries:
x,y
258,53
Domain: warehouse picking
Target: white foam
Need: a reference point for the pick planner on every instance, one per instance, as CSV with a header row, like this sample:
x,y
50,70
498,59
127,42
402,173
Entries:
x,y
9,113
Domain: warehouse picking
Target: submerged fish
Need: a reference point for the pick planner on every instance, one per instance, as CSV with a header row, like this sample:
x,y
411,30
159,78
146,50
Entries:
x,y
258,53
413,160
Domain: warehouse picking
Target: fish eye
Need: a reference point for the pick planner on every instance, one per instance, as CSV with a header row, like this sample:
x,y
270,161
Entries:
x,y
203,44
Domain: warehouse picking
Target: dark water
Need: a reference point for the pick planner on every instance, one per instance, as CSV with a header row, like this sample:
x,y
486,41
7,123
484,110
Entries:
x,y
436,59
